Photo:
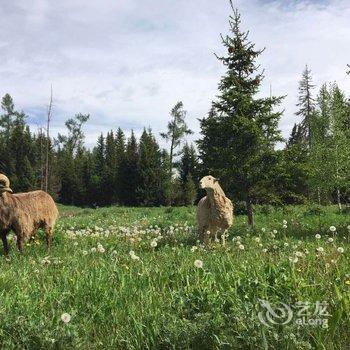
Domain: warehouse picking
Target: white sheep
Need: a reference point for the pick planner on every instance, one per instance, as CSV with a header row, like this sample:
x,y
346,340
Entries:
x,y
214,211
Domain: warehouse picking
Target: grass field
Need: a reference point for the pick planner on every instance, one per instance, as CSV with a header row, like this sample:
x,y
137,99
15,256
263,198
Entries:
x,y
136,278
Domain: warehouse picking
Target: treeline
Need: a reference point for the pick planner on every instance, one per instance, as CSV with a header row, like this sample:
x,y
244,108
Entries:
x,y
237,144
118,170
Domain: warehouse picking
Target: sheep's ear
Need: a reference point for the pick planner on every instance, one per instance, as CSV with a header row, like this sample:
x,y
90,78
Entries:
x,y
216,179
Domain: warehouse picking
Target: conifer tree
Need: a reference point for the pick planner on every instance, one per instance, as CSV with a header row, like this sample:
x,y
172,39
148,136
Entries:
x,y
100,168
241,130
188,172
8,117
69,146
111,169
189,190
149,190
120,159
306,104
130,172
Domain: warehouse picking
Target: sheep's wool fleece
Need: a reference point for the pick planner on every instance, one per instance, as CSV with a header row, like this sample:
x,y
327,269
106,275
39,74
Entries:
x,y
27,211
215,210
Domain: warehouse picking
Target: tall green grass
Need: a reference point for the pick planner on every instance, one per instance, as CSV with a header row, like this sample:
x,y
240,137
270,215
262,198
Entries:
x,y
161,300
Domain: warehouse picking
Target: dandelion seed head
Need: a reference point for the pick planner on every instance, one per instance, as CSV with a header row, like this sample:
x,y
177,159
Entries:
x,y
65,317
198,264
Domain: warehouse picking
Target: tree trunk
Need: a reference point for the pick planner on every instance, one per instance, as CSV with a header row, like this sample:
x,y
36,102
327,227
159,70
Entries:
x,y
250,212
49,111
339,199
171,172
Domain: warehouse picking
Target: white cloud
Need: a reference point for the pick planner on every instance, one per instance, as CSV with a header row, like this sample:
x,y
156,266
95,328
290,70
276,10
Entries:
x,y
127,62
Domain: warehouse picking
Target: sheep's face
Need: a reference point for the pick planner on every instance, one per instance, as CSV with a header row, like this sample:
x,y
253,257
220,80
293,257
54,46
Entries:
x,y
4,184
208,182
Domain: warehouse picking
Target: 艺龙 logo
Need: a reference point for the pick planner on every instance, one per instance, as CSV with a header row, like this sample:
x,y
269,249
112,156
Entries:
x,y
279,313
302,313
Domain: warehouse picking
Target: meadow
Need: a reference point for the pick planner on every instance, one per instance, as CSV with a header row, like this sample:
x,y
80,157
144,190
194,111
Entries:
x,y
137,278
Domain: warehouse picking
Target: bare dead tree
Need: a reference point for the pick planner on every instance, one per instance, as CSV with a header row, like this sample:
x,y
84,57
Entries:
x,y
42,167
49,115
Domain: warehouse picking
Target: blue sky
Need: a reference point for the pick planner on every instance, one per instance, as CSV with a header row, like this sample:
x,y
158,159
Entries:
x,y
127,62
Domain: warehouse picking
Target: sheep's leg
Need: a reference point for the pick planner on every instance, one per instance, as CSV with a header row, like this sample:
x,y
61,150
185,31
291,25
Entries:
x,y
20,238
223,237
207,236
201,232
48,235
204,236
5,243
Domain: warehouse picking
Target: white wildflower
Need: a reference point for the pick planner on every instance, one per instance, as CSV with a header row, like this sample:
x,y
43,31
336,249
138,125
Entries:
x,y
340,250
317,236
100,248
332,229
293,259
65,317
133,255
198,264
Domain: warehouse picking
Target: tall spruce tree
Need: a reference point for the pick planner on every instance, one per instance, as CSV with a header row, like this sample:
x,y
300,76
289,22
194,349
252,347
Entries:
x,y
188,173
306,104
69,146
120,159
189,190
111,168
100,168
291,176
8,117
150,186
241,130
130,172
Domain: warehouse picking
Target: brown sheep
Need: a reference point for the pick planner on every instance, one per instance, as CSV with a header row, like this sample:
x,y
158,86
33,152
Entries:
x,y
25,213
214,211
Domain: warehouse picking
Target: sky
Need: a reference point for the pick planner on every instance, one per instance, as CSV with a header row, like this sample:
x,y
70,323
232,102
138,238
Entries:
x,y
127,62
